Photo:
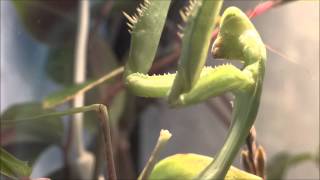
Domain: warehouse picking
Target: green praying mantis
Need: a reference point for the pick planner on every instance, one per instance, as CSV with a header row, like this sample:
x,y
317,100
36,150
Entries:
x,y
194,82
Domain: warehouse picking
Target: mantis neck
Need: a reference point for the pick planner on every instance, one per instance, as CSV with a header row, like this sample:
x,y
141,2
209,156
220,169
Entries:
x,y
244,113
237,134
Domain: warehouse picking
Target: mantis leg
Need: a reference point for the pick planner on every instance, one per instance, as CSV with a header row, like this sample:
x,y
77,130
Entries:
x,y
216,81
201,18
212,82
145,27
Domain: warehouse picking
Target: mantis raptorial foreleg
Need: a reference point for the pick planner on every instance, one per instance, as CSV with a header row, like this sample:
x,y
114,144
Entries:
x,y
193,83
211,84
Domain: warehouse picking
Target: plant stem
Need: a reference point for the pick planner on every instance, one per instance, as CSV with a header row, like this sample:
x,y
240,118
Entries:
x,y
79,76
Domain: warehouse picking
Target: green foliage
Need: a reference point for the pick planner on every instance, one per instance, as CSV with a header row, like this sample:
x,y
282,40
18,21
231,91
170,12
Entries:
x,y
13,167
59,66
189,166
51,22
48,130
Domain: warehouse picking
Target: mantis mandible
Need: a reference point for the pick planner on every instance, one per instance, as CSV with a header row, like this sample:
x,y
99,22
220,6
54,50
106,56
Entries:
x,y
193,82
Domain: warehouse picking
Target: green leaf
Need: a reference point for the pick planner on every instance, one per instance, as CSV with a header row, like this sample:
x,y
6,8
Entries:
x,y
59,66
13,167
48,21
47,130
23,151
70,92
188,166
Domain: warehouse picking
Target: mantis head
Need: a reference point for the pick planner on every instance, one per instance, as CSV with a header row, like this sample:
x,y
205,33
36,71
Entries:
x,y
237,38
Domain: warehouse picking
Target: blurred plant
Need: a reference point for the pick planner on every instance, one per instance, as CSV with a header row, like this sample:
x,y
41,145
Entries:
x,y
12,167
280,163
51,22
104,124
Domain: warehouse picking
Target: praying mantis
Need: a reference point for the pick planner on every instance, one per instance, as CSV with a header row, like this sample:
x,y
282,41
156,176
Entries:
x,y
194,82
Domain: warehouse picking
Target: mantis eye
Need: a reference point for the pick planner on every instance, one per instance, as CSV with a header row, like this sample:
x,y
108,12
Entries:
x,y
234,22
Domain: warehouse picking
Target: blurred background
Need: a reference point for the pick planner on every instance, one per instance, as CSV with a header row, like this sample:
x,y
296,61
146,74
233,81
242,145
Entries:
x,y
37,53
